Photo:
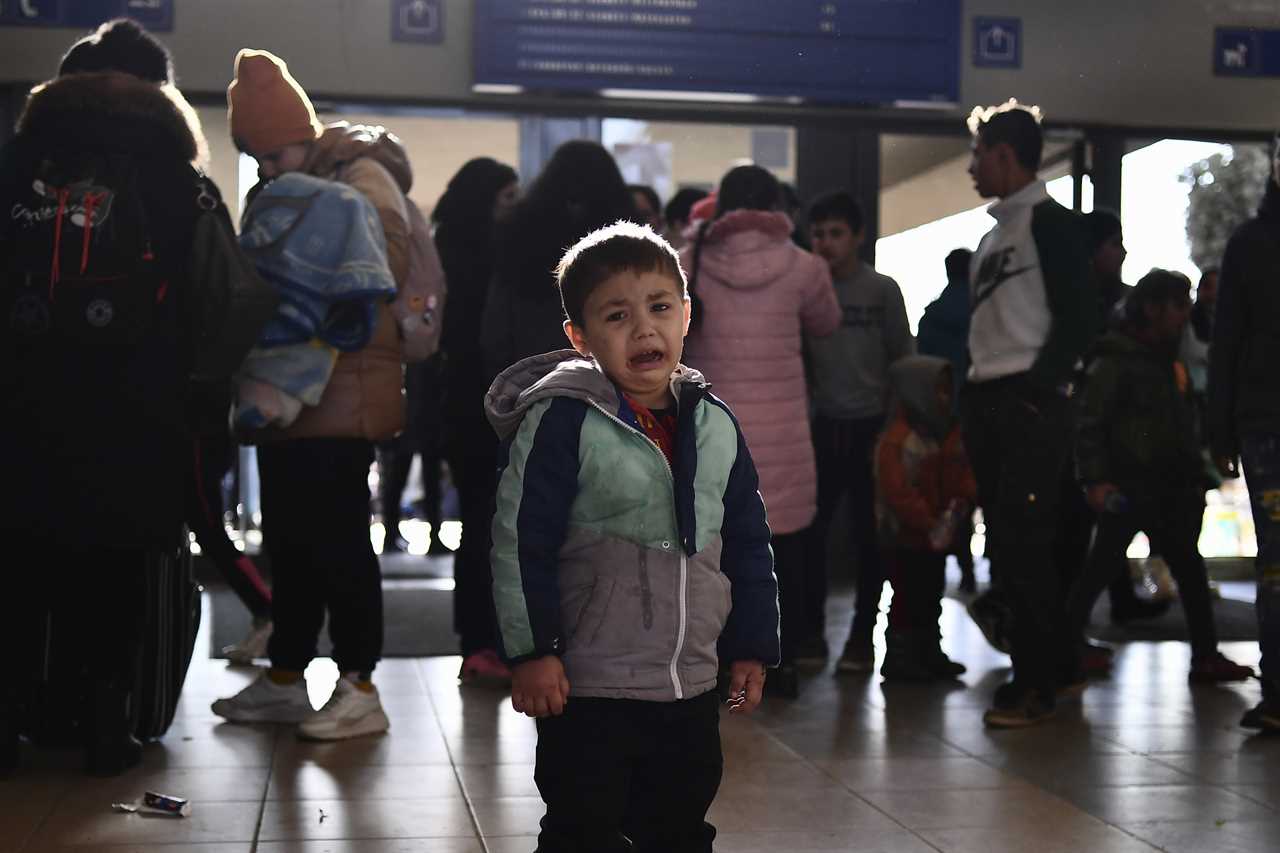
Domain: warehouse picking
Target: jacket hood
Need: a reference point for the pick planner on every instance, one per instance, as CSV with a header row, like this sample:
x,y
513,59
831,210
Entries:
x,y
563,373
117,110
747,248
914,379
342,142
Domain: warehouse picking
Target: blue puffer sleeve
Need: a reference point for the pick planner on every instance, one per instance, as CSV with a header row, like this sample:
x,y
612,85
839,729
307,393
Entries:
x,y
746,558
537,484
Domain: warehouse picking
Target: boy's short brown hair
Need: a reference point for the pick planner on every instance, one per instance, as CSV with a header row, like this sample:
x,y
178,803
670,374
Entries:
x,y
602,254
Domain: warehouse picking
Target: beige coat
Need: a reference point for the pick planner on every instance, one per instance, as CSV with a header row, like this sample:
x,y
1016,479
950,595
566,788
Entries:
x,y
364,397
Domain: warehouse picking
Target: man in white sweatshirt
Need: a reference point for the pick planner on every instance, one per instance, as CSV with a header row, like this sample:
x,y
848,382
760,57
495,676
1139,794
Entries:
x,y
1032,308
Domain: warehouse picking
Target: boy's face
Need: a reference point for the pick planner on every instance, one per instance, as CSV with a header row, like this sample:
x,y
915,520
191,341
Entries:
x,y
1109,257
1166,320
634,325
944,389
990,167
273,164
835,242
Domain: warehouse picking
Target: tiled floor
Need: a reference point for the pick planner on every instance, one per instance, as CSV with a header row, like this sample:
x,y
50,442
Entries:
x,y
1141,763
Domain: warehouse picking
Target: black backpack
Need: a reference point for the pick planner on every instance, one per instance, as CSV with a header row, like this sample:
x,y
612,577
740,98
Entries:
x,y
80,271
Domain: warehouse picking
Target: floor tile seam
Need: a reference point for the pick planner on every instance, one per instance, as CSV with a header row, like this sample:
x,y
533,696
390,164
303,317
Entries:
x,y
813,764
1251,798
30,837
457,775
266,790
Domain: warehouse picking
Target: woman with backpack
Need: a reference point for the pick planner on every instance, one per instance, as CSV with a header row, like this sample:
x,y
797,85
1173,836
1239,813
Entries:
x,y
755,294
95,394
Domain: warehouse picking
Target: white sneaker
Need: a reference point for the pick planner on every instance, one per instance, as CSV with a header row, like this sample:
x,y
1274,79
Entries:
x,y
350,712
252,647
264,701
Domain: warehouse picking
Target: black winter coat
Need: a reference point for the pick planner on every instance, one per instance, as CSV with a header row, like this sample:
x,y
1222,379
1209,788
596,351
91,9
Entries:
x,y
94,442
1244,358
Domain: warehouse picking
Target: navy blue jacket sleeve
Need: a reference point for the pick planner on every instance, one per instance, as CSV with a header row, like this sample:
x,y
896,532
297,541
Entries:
x,y
746,558
538,481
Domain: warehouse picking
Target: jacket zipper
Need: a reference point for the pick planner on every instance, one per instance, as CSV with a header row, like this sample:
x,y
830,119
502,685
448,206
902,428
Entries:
x,y
684,564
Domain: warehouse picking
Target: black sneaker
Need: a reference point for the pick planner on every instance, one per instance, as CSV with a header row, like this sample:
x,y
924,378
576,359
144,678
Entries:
x,y
1266,716
857,659
813,652
1017,707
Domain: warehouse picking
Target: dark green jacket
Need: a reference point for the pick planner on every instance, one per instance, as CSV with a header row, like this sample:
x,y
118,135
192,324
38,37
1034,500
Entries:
x,y
1136,427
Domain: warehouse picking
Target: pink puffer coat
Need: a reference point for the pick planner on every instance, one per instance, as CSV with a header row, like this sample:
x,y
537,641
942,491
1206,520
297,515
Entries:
x,y
759,293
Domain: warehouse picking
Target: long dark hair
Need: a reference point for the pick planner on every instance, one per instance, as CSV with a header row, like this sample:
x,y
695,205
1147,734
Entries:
x,y
742,188
579,190
464,213
464,238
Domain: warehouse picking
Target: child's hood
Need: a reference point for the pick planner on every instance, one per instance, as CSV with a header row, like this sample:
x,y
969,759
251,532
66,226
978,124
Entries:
x,y
563,373
914,379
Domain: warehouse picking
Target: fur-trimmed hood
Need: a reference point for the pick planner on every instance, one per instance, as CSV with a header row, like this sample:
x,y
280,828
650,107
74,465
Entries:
x,y
113,109
748,248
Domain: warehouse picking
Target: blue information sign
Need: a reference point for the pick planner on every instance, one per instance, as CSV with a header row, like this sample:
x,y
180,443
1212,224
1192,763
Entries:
x,y
997,42
1246,52
155,15
420,21
851,51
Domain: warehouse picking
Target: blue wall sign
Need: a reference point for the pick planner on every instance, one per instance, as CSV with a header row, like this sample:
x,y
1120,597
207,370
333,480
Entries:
x,y
420,21
997,42
155,15
845,51
1246,52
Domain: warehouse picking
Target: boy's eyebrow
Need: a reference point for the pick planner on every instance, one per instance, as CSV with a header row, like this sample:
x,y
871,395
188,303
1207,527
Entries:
x,y
622,300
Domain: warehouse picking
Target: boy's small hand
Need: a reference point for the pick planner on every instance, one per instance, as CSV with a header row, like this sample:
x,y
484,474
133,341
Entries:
x,y
539,687
746,684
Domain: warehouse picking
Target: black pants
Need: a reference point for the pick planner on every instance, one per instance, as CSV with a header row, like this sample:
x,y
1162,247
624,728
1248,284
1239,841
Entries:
x,y
395,459
791,552
211,458
844,449
609,768
315,529
1171,518
1018,438
918,578
473,463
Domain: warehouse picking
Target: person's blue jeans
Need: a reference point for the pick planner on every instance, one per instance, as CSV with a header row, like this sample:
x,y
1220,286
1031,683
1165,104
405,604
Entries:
x,y
1261,453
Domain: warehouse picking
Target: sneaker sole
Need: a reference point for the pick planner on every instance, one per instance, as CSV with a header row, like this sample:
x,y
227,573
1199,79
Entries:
x,y
997,720
373,723
233,715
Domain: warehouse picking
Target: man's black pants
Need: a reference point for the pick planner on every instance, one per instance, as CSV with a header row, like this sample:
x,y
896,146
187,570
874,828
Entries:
x,y
1019,438
616,769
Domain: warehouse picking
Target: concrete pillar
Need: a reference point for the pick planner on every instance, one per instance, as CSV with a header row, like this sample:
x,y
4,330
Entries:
x,y
829,159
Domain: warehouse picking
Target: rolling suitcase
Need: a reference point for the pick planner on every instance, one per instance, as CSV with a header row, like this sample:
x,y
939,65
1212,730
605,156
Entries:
x,y
170,614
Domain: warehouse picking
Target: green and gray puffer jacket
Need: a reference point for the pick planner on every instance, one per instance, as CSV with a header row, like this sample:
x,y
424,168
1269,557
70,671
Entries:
x,y
639,574
1135,426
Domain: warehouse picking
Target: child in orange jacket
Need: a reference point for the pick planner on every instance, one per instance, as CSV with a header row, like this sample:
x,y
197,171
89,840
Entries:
x,y
924,486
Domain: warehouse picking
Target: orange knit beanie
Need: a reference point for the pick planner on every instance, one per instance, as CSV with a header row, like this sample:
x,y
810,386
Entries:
x,y
266,107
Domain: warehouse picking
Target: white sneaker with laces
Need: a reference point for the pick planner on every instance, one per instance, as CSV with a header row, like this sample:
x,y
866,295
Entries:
x,y
252,647
350,712
264,701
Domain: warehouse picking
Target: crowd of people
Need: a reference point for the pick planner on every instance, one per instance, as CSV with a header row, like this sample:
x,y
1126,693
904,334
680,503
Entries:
x,y
647,535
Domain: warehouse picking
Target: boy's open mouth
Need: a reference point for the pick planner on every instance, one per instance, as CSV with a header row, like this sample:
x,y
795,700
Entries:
x,y
650,358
